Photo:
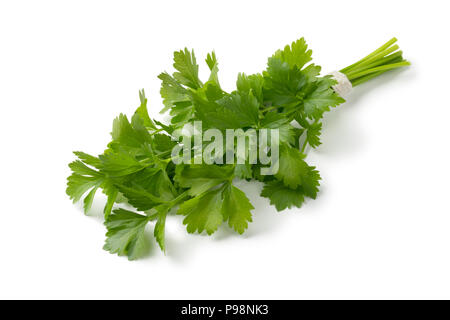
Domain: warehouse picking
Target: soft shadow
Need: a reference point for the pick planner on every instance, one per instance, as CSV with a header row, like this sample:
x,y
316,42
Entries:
x,y
342,134
179,251
371,86
266,219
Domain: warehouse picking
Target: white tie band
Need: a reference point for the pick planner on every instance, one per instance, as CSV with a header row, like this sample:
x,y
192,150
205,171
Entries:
x,y
343,86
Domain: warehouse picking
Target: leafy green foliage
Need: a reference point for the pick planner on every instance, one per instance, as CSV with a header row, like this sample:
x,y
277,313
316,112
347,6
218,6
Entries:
x,y
137,170
185,63
200,178
213,65
233,111
281,196
172,92
125,234
142,112
236,208
313,131
207,210
320,97
294,171
160,227
252,83
83,179
295,55
203,212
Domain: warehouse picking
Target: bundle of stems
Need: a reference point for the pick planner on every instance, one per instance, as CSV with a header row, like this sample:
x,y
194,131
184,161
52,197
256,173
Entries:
x,y
385,58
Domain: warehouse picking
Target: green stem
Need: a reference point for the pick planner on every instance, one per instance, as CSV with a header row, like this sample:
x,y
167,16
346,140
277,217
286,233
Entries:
x,y
304,146
380,49
179,198
305,143
376,57
379,61
386,67
366,78
395,57
271,108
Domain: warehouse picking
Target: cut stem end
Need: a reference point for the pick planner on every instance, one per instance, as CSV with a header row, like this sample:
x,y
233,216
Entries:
x,y
385,58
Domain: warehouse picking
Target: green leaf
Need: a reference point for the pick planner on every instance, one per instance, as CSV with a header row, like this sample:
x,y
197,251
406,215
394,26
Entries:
x,y
126,135
291,166
311,182
286,131
313,134
312,71
172,91
297,54
287,85
236,208
147,189
243,105
281,196
89,199
119,163
313,130
283,85
82,180
139,198
142,112
185,63
294,171
287,134
212,91
125,234
321,98
233,111
163,143
201,178
154,181
203,212
213,65
252,83
167,128
215,115
88,159
160,226
111,193
182,113
273,120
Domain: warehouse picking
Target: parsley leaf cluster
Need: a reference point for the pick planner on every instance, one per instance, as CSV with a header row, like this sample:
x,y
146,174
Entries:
x,y
136,169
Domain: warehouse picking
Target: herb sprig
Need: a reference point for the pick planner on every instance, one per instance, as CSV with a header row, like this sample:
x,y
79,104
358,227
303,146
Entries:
x,y
136,168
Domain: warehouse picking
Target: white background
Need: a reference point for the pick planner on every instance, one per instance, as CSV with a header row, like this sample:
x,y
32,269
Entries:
x,y
380,227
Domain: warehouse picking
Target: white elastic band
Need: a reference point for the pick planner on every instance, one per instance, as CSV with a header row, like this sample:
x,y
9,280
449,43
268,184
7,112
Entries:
x,y
344,86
